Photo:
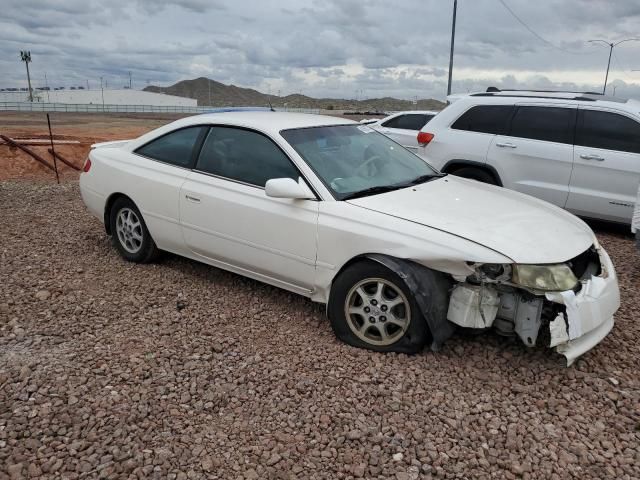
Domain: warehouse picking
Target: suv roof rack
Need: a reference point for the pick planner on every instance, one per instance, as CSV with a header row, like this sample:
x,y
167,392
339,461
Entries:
x,y
496,90
582,96
577,97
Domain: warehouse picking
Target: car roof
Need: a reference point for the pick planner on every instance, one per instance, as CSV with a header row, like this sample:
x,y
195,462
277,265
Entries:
x,y
270,122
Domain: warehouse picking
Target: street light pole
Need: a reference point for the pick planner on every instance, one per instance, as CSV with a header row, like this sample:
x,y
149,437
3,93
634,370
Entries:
x,y
102,90
46,84
453,37
25,56
611,46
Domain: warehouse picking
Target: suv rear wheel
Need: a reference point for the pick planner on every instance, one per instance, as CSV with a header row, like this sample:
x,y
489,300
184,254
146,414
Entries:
x,y
475,174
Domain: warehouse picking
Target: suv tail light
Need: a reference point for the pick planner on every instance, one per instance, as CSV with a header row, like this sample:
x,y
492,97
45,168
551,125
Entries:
x,y
424,138
87,165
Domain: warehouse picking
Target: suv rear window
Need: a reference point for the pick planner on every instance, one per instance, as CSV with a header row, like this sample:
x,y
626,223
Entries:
x,y
551,124
607,130
485,119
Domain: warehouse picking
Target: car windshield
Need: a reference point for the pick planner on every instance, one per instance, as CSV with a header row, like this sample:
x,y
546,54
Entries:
x,y
355,160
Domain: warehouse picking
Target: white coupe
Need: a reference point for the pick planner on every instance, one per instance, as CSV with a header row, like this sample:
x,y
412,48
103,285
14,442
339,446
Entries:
x,y
400,253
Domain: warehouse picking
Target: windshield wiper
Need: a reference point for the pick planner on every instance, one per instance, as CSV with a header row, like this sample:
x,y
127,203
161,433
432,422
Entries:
x,y
425,178
388,188
373,191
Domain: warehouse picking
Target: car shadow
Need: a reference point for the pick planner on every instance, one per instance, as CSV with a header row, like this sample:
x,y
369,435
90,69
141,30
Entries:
x,y
463,344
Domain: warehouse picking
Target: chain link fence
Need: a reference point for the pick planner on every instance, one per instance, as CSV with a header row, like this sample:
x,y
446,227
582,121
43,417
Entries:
x,y
99,108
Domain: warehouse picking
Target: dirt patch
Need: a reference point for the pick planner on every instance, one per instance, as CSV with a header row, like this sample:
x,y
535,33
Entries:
x,y
85,128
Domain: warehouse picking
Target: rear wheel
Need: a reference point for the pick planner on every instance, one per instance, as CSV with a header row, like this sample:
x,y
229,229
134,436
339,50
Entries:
x,y
476,174
130,234
371,307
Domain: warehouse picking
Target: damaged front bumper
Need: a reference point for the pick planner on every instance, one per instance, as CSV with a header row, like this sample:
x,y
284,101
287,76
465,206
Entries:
x,y
576,320
588,315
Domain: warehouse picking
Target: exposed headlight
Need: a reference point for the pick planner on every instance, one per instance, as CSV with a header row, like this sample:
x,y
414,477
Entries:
x,y
544,277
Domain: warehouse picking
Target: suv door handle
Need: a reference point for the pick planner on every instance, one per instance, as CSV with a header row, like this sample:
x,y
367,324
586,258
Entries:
x,y
597,158
192,199
505,145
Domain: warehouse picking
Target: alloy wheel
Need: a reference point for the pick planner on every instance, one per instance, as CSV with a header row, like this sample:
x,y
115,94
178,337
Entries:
x,y
377,311
129,230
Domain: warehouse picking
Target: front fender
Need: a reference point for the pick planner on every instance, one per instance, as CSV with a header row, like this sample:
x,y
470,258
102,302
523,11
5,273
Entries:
x,y
430,290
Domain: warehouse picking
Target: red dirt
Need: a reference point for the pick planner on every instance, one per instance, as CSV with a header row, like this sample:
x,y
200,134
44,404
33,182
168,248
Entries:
x,y
86,128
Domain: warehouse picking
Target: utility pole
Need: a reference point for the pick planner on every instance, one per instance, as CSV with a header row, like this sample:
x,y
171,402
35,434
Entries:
x,y
611,45
46,84
453,38
87,84
25,55
102,90
129,80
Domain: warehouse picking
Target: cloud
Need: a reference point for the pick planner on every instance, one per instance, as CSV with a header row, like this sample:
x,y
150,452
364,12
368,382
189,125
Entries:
x,y
332,48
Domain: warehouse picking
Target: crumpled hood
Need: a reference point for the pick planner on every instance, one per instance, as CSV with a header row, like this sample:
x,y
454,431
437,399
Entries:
x,y
521,227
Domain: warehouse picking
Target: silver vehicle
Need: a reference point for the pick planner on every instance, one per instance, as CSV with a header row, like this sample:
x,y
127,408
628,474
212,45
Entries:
x,y
403,127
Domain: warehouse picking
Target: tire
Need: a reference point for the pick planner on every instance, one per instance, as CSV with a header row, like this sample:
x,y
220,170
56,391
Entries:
x,y
382,287
129,233
476,174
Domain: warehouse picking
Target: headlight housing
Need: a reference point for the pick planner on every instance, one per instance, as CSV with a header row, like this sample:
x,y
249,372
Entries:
x,y
544,277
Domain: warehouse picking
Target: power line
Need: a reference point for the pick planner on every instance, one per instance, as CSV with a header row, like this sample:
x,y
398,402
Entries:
x,y
536,34
622,67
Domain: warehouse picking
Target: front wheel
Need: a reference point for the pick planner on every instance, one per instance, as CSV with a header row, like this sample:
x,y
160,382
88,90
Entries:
x,y
371,307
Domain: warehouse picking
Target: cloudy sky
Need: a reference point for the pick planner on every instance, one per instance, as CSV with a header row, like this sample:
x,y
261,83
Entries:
x,y
338,48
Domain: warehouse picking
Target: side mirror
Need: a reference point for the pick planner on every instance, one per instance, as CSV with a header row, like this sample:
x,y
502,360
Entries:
x,y
288,188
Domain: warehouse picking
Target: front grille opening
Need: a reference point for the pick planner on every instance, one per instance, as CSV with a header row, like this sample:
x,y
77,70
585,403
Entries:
x,y
586,264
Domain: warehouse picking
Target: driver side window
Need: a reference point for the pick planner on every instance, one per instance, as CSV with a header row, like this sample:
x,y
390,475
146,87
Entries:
x,y
245,156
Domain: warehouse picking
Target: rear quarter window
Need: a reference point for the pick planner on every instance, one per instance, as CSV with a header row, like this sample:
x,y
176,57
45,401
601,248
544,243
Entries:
x,y
175,148
492,119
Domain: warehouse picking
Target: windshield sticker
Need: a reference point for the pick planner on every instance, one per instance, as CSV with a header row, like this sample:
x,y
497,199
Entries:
x,y
365,129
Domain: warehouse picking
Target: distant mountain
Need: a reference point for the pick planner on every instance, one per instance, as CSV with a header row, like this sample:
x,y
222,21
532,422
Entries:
x,y
211,93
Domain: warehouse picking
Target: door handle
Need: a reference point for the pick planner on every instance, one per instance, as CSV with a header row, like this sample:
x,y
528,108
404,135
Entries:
x,y
597,158
192,199
505,145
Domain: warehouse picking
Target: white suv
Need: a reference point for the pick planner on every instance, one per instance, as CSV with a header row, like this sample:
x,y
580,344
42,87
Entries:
x,y
580,151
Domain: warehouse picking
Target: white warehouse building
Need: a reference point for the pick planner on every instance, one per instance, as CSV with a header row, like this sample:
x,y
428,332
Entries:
x,y
99,97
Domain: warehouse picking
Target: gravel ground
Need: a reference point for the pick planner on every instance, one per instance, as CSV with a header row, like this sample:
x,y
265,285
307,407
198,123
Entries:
x,y
178,370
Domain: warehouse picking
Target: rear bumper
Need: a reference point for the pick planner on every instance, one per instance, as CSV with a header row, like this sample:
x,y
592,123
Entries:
x,y
589,313
93,200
